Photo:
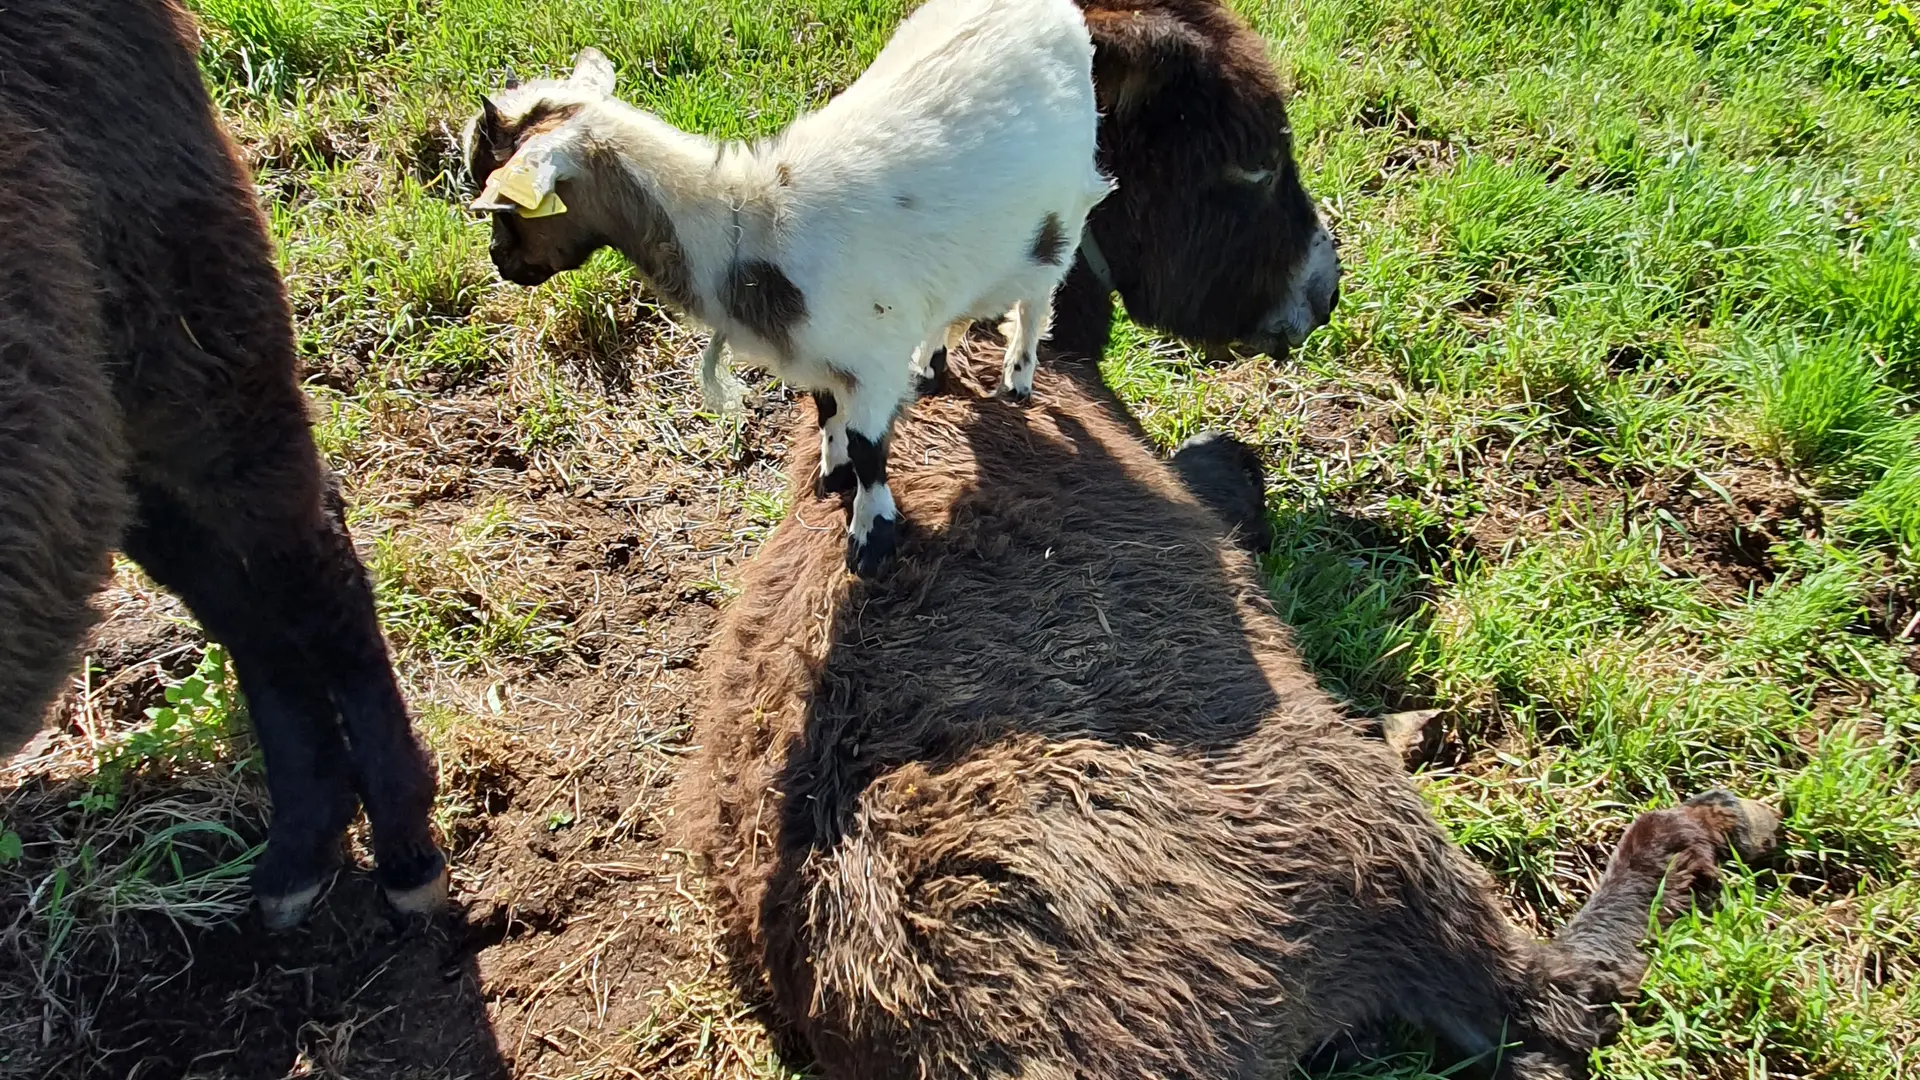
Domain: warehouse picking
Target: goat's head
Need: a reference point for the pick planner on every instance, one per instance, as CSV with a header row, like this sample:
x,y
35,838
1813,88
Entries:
x,y
1211,235
524,151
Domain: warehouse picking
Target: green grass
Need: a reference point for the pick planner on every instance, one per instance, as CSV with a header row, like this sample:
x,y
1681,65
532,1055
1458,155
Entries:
x,y
1613,268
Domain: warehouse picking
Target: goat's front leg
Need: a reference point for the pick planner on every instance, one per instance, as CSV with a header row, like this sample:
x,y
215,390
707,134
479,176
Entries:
x,y
836,471
874,524
1029,322
720,391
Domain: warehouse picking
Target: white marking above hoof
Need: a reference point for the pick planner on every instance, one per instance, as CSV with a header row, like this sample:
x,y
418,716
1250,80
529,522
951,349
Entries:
x,y
281,913
421,900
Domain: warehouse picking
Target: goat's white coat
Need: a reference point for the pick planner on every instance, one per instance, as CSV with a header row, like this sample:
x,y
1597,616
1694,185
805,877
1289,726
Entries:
x,y
908,203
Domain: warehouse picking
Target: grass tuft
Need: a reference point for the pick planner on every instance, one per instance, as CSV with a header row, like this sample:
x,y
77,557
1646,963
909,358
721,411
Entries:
x,y
1817,403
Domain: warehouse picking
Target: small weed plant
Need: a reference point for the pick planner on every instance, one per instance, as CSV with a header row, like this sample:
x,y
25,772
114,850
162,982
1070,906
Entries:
x,y
202,723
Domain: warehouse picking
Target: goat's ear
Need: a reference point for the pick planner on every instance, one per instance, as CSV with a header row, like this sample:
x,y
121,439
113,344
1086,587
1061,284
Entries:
x,y
593,71
491,124
1136,53
470,136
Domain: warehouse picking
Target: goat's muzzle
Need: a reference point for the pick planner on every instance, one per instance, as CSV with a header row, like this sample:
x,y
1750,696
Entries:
x,y
521,272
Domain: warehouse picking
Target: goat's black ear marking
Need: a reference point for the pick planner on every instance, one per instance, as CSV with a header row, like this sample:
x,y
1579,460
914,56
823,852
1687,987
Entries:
x,y
489,146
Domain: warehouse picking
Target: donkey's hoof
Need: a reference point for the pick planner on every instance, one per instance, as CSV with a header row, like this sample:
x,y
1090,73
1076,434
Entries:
x,y
1755,827
287,910
421,899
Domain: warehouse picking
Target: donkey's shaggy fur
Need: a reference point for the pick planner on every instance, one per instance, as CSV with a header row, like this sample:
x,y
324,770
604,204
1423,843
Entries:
x,y
148,400
1056,798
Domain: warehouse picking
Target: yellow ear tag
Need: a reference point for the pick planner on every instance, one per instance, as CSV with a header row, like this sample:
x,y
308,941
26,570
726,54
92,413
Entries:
x,y
548,207
527,181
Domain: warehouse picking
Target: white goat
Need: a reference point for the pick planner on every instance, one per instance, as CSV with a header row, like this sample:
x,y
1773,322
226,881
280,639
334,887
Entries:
x,y
949,182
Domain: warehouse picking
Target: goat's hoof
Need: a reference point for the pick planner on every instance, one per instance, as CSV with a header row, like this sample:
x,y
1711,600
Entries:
x,y
930,385
1755,828
838,482
933,381
1010,393
866,559
287,910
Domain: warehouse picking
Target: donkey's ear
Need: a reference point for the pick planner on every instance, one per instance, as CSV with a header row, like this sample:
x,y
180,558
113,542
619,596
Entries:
x,y
593,71
1136,53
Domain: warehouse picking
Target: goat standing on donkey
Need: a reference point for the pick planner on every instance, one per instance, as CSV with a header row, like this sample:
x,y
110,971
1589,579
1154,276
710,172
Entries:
x,y
951,181
149,400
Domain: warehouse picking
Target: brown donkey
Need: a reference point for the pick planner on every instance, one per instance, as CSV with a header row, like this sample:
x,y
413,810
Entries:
x,y
1056,798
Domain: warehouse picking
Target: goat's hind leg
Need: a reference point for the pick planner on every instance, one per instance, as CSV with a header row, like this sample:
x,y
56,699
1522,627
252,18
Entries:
x,y
930,360
1027,323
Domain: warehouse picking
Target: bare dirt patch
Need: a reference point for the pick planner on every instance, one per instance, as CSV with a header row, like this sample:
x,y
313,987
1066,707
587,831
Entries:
x,y
1731,520
578,942
1718,528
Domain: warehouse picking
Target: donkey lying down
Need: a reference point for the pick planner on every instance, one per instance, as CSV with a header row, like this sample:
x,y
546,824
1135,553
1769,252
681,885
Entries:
x,y
1056,798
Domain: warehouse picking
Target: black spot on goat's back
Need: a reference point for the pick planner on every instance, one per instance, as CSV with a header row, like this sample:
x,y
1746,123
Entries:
x,y
766,301
1050,242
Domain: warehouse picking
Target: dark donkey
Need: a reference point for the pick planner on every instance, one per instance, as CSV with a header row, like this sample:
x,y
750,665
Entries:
x,y
149,400
1056,798
1211,236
